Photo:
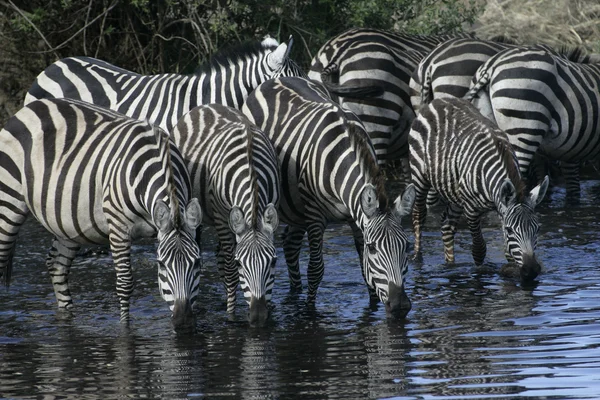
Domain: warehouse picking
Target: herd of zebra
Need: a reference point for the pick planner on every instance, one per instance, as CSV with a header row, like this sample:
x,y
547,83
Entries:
x,y
99,154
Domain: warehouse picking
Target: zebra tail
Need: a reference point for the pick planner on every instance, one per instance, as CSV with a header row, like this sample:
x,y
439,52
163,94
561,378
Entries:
x,y
426,92
355,91
477,85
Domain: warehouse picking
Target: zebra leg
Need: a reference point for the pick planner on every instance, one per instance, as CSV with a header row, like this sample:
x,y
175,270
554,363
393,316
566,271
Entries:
x,y
479,247
14,213
419,215
120,247
359,242
450,218
59,262
292,244
228,266
571,173
316,265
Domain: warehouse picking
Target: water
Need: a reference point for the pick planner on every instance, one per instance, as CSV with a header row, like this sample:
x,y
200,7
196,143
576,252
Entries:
x,y
472,332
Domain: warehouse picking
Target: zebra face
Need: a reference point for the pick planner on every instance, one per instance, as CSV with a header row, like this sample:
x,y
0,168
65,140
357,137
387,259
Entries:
x,y
385,260
521,226
179,262
256,257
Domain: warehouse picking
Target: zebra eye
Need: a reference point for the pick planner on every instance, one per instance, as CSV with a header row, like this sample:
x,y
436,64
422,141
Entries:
x,y
273,262
509,230
372,248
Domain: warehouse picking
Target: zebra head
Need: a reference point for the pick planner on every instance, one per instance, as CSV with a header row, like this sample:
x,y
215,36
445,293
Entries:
x,y
256,256
385,262
178,257
521,226
278,62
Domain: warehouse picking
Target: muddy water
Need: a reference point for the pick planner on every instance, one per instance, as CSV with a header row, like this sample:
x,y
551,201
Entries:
x,y
472,333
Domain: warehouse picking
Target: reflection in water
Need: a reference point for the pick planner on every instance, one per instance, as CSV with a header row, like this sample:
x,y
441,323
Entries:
x,y
472,333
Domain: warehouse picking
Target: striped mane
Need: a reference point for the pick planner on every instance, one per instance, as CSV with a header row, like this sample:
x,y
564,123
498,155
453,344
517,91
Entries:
x,y
361,143
509,161
253,178
234,54
164,141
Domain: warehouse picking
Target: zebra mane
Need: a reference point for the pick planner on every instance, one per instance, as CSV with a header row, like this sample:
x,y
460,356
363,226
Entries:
x,y
253,178
509,161
362,146
576,54
164,139
234,54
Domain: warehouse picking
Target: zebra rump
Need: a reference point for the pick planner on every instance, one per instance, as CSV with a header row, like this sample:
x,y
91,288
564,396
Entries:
x,y
92,176
163,98
329,173
381,63
235,176
546,103
471,164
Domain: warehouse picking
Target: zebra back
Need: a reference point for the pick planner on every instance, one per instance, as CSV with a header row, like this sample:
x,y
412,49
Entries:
x,y
163,98
91,175
235,175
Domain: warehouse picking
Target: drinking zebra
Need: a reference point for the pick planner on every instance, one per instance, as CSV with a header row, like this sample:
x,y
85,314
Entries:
x,y
329,173
164,98
546,104
235,176
93,176
470,162
376,59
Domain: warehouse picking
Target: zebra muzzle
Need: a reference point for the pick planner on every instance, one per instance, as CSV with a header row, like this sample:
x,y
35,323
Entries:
x,y
398,304
183,317
259,311
530,268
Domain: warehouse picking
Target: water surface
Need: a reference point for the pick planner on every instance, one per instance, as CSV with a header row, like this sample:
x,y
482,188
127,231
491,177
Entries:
x,y
472,332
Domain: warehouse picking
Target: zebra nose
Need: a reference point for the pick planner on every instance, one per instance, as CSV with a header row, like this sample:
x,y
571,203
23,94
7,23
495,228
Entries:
x,y
183,318
398,304
530,268
259,312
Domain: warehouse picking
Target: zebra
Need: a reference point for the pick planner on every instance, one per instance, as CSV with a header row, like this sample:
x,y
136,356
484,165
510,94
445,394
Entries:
x,y
329,173
93,176
374,58
164,98
546,104
235,175
471,163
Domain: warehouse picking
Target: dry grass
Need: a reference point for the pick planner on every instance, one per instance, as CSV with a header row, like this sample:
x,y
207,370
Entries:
x,y
555,22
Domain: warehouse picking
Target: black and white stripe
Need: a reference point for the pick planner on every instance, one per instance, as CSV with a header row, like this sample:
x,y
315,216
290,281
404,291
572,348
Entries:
x,y
546,104
91,175
329,173
471,164
164,98
235,176
373,58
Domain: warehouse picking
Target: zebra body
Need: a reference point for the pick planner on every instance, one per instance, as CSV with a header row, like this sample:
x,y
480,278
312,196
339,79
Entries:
x,y
375,58
546,104
235,176
329,173
90,175
471,164
164,98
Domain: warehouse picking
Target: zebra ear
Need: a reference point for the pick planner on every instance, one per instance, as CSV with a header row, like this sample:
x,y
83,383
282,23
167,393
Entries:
x,y
277,57
161,215
508,193
193,214
404,203
537,193
289,47
369,201
237,223
270,220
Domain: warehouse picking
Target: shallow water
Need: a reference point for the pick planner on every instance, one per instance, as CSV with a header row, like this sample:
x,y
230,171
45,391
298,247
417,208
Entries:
x,y
472,332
